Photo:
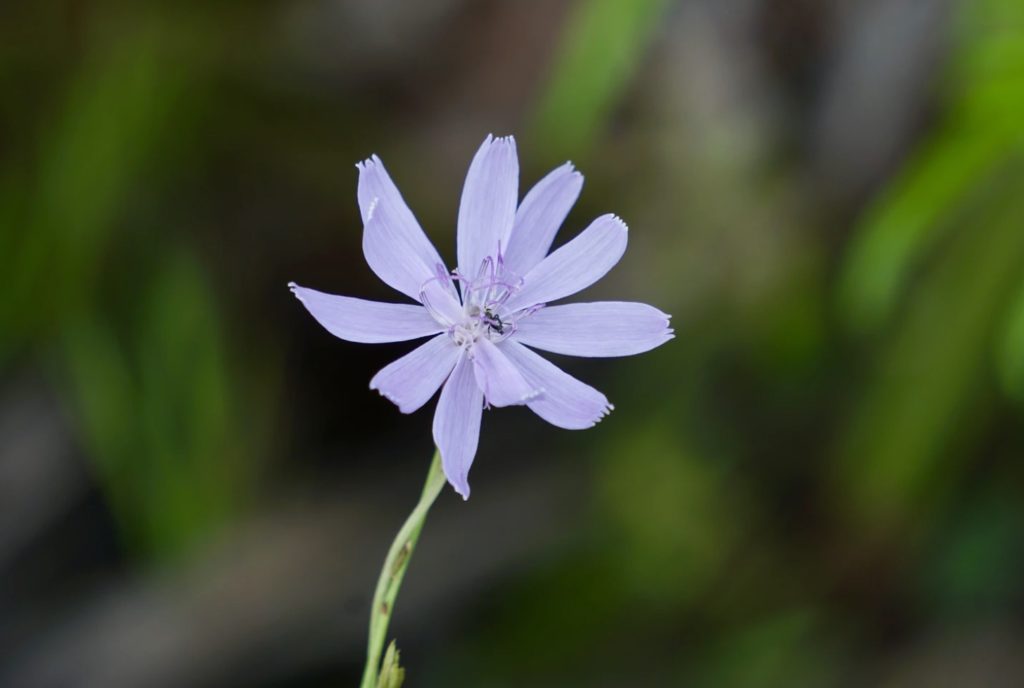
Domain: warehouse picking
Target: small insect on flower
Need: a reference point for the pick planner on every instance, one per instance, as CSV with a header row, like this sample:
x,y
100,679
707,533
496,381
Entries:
x,y
485,318
493,321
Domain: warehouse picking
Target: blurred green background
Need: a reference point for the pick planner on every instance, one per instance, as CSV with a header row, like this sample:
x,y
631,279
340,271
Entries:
x,y
819,482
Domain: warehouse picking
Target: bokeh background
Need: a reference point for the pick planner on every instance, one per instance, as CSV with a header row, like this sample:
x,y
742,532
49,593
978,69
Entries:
x,y
819,482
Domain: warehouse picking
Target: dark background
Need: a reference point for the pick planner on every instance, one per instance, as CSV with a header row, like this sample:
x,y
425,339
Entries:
x,y
817,483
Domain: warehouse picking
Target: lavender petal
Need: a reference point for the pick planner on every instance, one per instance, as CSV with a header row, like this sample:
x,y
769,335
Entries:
x,y
457,424
566,402
498,377
437,298
539,216
394,244
606,328
488,205
410,381
368,322
574,266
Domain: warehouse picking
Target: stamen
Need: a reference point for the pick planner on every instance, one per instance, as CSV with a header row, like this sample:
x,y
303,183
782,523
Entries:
x,y
441,274
430,309
486,268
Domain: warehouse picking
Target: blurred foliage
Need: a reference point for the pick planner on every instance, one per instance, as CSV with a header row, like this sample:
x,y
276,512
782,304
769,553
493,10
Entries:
x,y
900,454
116,114
161,410
666,565
602,47
980,134
772,652
160,416
974,562
961,195
1010,344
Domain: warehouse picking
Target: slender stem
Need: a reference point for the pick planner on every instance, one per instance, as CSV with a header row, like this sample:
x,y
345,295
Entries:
x,y
394,570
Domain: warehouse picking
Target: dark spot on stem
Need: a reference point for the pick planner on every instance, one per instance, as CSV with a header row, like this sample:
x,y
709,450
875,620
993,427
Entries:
x,y
403,555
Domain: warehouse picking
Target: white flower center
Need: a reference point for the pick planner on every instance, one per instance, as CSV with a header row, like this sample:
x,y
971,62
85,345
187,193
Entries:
x,y
483,304
479,322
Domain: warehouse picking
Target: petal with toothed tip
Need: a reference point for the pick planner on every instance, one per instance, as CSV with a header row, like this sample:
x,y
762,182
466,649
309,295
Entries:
x,y
457,424
368,322
488,206
539,216
410,381
605,328
566,402
575,265
393,241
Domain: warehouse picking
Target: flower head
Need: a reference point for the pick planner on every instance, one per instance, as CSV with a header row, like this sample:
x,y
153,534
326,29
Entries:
x,y
485,318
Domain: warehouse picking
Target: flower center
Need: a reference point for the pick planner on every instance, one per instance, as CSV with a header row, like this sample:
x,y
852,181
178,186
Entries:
x,y
483,304
482,312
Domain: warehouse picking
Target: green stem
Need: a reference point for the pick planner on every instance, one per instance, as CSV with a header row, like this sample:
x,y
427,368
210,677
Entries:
x,y
394,570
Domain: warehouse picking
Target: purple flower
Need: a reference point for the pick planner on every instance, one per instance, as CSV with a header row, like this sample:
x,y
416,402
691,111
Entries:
x,y
486,317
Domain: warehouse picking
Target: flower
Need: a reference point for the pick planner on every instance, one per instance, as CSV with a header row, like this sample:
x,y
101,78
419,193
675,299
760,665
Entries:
x,y
486,317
